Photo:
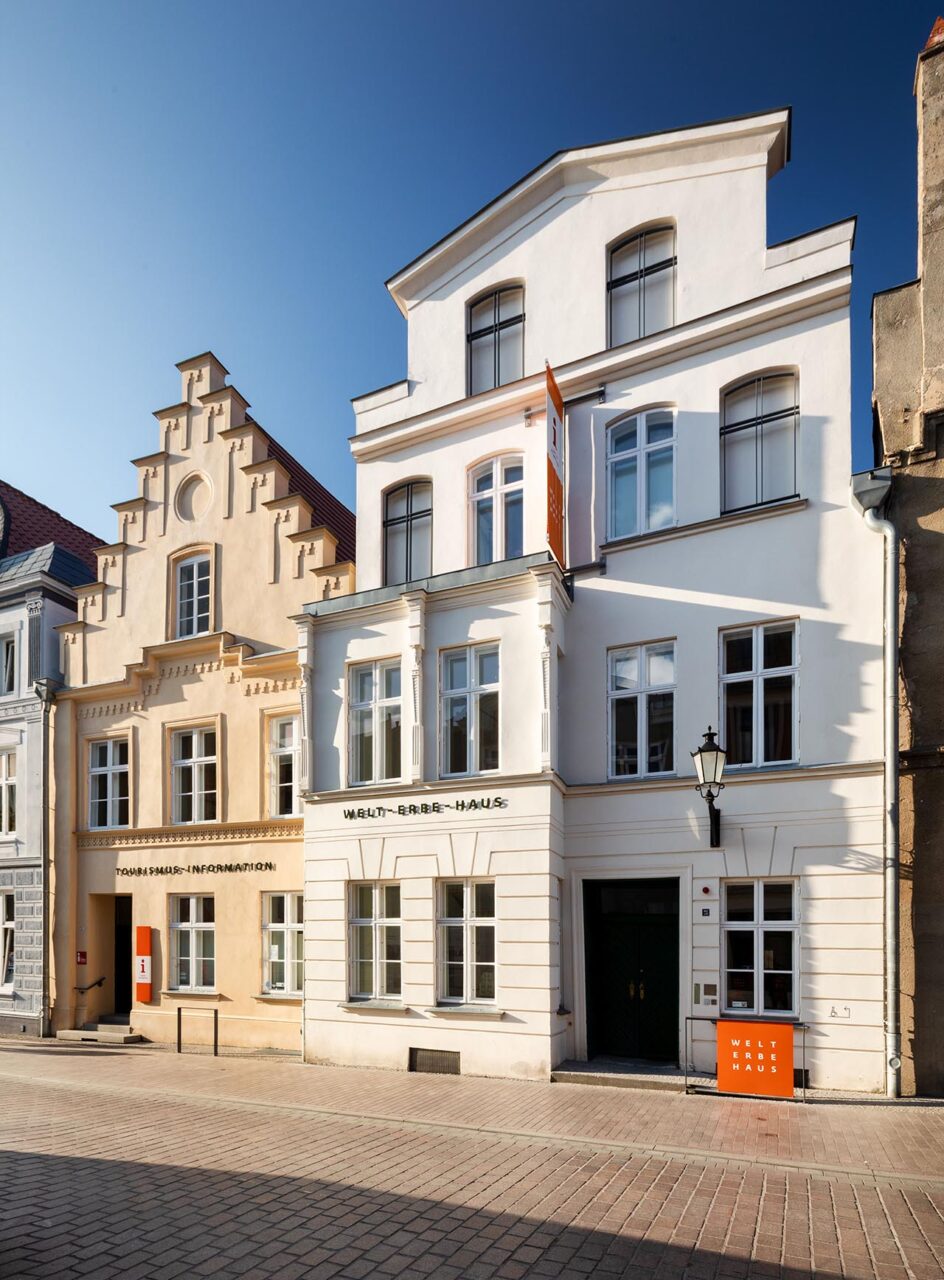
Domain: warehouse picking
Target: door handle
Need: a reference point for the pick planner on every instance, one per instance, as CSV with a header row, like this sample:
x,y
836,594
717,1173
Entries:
x,y
632,991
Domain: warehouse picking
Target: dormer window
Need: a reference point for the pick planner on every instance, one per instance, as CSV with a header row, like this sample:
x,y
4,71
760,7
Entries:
x,y
497,502
495,339
193,596
641,285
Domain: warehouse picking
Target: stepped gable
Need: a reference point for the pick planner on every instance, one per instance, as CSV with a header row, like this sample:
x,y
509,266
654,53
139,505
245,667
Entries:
x,y
326,508
26,523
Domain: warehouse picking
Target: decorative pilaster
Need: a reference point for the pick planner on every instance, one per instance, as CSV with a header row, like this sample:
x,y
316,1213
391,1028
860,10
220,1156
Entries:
x,y
548,631
34,613
415,602
306,655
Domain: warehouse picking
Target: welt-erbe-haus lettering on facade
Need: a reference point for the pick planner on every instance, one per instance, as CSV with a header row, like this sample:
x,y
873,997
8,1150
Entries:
x,y
450,806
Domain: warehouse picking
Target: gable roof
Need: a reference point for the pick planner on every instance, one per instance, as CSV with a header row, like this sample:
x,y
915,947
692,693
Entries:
x,y
326,509
26,524
779,117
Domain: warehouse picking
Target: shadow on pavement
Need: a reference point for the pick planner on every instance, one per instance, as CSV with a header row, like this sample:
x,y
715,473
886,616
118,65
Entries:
x,y
69,1216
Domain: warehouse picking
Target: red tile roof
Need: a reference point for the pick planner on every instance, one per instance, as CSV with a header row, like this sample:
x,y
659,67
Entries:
x,y
26,523
325,507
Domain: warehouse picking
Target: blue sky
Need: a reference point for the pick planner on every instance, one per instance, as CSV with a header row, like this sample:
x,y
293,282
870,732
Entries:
x,y
244,176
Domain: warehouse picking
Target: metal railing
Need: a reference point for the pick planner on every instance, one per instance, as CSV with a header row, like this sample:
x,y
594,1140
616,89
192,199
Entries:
x,y
216,1028
694,1088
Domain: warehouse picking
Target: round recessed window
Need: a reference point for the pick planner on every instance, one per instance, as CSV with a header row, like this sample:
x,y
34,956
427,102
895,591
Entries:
x,y
193,497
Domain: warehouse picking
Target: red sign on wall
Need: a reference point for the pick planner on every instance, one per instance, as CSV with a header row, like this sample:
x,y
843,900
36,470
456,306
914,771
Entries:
x,y
755,1057
142,964
81,957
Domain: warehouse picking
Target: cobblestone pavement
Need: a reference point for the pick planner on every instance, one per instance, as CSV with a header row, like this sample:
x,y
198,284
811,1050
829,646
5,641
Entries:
x,y
139,1164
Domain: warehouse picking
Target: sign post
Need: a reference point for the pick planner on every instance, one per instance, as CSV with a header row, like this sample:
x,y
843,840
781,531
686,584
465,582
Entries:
x,y
555,468
755,1057
142,964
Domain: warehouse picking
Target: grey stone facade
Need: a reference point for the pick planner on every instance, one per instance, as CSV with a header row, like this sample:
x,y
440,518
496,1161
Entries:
x,y
36,594
908,404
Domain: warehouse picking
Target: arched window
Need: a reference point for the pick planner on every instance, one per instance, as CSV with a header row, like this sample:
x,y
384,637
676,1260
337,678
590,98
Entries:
x,y
495,338
192,585
759,424
496,497
640,473
641,285
408,526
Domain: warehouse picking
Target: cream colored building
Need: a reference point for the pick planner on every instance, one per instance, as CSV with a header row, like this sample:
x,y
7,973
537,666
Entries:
x,y
177,738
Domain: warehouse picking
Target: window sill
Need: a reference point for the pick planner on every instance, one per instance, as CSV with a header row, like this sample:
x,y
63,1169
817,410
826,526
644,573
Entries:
x,y
745,515
488,1012
278,997
669,775
200,995
373,1006
732,1015
737,770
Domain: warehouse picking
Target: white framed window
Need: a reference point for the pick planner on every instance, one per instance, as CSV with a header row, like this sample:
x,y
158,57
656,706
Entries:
x,y
760,923
640,473
283,943
7,941
108,783
641,696
495,339
193,942
466,941
758,694
641,284
7,665
194,775
408,532
469,699
7,793
374,722
193,596
374,945
759,429
496,500
283,767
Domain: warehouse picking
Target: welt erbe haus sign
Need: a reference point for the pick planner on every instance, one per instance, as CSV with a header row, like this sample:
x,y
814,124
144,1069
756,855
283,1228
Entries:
x,y
755,1057
425,809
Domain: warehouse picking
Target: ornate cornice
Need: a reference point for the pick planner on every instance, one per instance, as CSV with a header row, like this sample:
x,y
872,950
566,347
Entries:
x,y
198,836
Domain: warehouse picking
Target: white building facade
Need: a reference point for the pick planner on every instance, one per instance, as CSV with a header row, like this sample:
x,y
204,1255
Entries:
x,y
506,859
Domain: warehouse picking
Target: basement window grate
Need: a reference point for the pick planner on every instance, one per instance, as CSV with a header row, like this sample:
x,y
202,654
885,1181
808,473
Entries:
x,y
439,1062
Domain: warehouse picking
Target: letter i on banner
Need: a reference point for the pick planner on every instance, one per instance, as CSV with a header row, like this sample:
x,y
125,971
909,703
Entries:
x,y
555,467
142,964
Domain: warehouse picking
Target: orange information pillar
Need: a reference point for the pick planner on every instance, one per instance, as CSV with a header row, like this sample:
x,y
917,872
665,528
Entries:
x,y
142,964
755,1057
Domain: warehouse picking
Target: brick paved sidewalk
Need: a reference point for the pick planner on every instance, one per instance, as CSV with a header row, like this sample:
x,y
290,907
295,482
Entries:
x,y
137,1163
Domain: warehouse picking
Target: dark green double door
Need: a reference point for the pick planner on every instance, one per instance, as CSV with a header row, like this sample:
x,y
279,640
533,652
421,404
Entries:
x,y
631,929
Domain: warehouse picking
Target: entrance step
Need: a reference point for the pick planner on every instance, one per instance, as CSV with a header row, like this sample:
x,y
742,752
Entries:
x,y
102,1034
617,1074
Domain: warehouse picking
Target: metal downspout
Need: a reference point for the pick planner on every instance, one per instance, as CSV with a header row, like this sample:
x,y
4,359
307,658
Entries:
x,y
891,869
45,694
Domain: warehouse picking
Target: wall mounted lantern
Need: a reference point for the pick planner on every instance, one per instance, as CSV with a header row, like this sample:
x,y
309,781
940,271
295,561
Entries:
x,y
709,767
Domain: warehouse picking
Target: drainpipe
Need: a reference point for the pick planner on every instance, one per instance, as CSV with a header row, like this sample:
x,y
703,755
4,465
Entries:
x,y
870,492
45,692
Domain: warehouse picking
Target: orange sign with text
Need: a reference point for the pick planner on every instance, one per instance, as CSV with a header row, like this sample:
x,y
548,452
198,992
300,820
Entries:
x,y
142,964
755,1057
555,468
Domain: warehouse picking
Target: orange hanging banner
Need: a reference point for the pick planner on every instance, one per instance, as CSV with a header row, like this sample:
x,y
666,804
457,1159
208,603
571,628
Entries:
x,y
755,1057
142,964
555,468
